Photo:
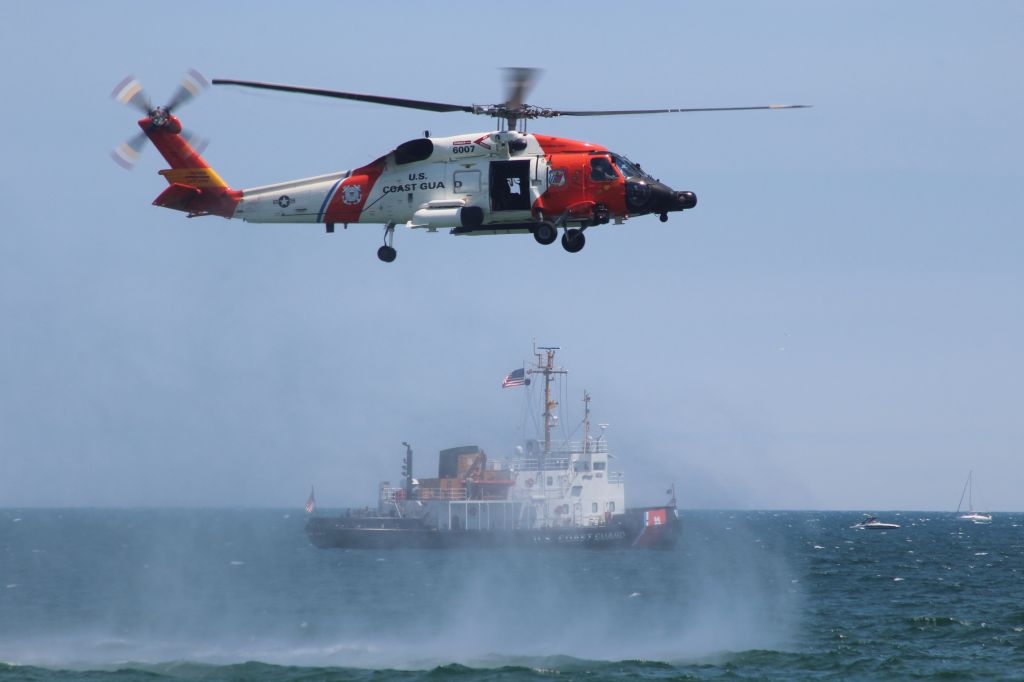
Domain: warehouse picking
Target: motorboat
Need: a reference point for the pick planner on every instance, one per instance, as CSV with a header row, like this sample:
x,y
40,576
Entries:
x,y
872,523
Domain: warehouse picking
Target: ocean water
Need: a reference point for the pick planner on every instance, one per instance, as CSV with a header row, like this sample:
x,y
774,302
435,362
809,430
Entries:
x,y
126,595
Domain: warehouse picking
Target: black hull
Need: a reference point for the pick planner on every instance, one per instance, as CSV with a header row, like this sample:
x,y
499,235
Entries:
x,y
627,530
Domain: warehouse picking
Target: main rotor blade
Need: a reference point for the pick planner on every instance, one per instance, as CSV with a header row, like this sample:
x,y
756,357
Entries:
x,y
376,99
518,83
627,112
191,85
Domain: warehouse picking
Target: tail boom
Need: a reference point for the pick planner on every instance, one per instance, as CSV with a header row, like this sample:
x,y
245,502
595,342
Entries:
x,y
195,188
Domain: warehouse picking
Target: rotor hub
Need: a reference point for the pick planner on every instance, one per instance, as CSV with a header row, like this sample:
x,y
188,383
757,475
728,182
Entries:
x,y
159,116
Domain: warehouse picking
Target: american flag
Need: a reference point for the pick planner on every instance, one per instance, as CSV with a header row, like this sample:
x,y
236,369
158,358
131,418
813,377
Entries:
x,y
516,377
311,502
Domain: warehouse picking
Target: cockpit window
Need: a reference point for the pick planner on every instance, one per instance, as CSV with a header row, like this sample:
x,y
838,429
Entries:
x,y
628,168
602,169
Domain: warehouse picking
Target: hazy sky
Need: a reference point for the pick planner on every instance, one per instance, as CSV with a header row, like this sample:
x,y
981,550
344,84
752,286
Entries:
x,y
837,325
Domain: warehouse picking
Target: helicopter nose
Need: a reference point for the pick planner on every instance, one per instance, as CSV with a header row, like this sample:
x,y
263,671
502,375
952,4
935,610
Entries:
x,y
686,200
651,196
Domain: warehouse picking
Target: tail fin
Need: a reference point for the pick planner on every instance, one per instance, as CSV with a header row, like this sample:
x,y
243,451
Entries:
x,y
195,188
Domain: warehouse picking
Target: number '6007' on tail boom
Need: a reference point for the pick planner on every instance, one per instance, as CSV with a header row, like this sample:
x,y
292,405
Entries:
x,y
502,181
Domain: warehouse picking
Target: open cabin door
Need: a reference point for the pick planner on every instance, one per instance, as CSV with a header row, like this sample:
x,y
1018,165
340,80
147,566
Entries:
x,y
510,185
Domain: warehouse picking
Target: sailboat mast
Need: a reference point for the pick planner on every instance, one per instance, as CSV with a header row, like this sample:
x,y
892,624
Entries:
x,y
967,492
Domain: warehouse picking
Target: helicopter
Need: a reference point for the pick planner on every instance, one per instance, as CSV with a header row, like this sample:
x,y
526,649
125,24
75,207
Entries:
x,y
502,181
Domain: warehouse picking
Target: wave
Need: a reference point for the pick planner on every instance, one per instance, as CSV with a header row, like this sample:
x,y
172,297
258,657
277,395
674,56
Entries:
x,y
933,620
552,667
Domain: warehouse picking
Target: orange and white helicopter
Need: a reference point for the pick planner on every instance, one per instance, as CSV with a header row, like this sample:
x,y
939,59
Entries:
x,y
501,181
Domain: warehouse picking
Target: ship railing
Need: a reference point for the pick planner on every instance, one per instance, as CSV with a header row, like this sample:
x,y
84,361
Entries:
x,y
559,457
389,495
551,463
576,447
616,477
553,492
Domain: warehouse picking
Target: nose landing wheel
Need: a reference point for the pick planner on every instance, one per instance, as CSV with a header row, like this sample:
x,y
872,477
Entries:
x,y
573,240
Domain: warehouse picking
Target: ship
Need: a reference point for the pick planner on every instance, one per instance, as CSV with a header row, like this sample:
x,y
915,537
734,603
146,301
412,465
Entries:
x,y
545,495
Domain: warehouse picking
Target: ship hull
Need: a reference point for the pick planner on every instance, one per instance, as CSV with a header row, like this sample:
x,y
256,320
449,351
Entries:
x,y
634,529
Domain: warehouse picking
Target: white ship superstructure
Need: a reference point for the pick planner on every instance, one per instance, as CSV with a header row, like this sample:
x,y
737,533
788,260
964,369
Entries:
x,y
542,495
541,486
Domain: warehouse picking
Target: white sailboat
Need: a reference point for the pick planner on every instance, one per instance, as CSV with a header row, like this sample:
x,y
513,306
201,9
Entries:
x,y
970,514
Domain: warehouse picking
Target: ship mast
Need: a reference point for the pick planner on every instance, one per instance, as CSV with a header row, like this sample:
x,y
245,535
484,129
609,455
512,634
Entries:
x,y
586,423
546,366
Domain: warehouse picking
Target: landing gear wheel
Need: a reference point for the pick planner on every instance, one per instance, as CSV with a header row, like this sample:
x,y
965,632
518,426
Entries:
x,y
545,232
573,240
663,217
387,252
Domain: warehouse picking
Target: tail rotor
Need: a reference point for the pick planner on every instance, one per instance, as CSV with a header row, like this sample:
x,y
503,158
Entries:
x,y
192,84
127,153
131,93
